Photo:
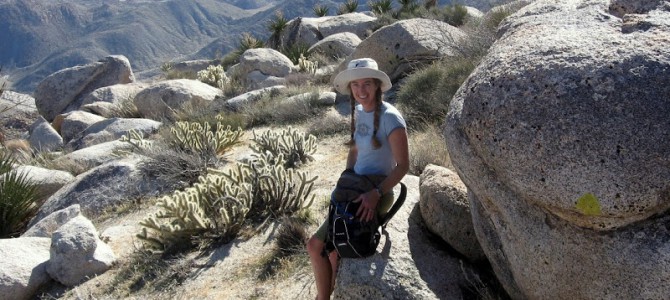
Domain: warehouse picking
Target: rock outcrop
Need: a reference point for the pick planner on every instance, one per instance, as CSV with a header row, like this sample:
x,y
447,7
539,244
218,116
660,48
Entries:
x,y
65,90
404,45
163,99
561,135
446,211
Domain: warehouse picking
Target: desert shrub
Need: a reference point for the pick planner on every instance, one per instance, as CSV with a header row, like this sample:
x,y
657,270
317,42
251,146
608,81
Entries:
x,y
214,76
320,10
17,198
454,15
126,109
295,147
289,245
281,108
426,94
427,146
170,73
348,6
328,124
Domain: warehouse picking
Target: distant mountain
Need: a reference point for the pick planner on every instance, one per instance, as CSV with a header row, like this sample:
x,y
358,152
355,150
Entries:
x,y
39,37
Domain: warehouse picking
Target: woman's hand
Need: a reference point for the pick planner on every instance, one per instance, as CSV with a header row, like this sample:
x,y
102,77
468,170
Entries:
x,y
368,208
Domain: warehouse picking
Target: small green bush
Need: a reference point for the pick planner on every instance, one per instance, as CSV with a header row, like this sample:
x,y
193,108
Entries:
x,y
17,198
320,10
426,94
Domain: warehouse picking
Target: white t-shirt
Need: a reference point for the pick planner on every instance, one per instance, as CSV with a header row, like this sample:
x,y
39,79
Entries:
x,y
376,161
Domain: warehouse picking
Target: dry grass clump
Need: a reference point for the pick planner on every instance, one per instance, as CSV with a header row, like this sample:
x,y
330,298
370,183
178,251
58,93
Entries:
x,y
427,146
289,252
331,123
278,109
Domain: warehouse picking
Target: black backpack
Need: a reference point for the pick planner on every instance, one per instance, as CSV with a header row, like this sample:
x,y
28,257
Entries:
x,y
347,235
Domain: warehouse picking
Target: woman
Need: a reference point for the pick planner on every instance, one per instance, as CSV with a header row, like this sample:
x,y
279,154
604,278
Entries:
x,y
378,146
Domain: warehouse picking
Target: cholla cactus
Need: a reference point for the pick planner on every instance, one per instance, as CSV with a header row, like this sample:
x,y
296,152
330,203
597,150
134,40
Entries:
x,y
211,205
277,190
214,76
295,147
307,66
135,138
201,138
219,203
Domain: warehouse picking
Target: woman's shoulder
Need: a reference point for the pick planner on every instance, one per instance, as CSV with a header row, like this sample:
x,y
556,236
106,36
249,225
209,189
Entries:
x,y
389,108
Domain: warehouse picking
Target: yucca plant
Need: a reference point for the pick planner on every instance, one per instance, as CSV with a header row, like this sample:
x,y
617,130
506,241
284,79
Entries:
x,y
408,6
320,10
247,42
381,7
277,27
17,198
348,7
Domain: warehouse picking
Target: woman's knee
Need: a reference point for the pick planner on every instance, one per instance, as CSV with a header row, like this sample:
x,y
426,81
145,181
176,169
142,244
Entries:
x,y
315,246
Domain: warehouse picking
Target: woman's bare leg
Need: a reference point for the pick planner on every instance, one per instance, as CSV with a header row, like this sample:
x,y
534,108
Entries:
x,y
323,273
334,263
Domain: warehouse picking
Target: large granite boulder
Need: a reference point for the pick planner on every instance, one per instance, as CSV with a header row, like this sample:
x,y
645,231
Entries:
x,y
47,226
112,129
162,99
101,188
23,267
65,90
308,31
404,45
446,211
19,111
561,136
93,156
46,181
337,45
71,124
115,94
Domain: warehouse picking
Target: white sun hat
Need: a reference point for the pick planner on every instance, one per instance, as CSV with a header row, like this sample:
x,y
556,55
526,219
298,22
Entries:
x,y
359,69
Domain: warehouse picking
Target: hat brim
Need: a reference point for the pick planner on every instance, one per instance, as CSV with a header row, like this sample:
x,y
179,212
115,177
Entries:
x,y
342,79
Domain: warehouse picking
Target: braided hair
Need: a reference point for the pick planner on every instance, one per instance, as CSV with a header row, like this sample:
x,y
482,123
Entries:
x,y
378,109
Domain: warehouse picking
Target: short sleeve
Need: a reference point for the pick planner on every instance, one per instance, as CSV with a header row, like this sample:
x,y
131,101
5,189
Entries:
x,y
392,120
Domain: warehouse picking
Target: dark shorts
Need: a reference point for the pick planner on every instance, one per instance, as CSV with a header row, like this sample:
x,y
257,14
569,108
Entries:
x,y
383,207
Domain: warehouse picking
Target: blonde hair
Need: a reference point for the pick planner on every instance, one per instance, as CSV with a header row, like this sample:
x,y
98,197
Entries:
x,y
378,109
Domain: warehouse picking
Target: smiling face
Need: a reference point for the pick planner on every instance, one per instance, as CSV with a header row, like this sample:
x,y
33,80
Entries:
x,y
365,92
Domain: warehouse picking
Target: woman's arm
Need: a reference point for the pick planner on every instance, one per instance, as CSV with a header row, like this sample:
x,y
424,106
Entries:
x,y
351,158
400,150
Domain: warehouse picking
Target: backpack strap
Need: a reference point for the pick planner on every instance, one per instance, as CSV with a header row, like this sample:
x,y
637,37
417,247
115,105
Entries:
x,y
396,206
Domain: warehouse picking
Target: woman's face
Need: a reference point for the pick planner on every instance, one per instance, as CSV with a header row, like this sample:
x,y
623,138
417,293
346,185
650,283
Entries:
x,y
364,91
